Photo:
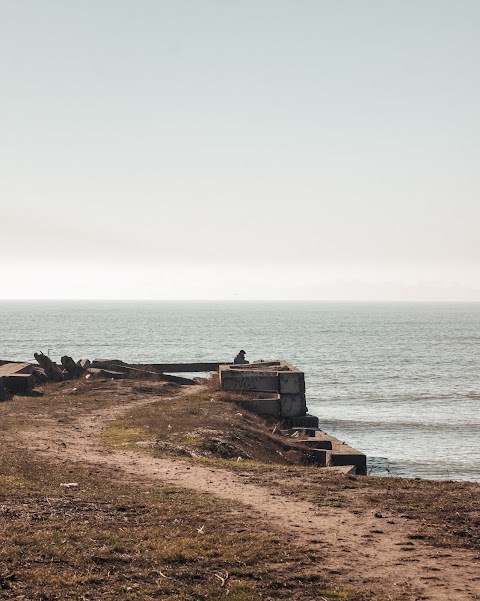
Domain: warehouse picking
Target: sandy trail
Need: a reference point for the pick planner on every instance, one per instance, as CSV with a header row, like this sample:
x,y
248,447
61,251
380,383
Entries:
x,y
364,551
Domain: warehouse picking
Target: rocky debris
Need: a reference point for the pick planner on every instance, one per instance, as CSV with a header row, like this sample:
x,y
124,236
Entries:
x,y
178,450
22,377
52,371
47,370
115,365
176,380
111,364
106,373
74,370
140,372
207,443
215,447
39,375
225,449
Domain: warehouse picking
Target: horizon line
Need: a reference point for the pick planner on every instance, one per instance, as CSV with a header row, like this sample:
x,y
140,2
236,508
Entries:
x,y
243,300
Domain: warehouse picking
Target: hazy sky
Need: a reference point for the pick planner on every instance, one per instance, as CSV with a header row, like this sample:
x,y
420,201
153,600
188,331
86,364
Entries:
x,y
325,149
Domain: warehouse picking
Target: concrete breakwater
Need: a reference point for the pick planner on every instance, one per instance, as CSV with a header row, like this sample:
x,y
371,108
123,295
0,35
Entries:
x,y
274,390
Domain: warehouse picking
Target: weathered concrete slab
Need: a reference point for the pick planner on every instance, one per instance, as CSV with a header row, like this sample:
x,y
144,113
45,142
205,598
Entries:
x,y
19,383
39,374
315,443
72,369
267,376
109,361
52,370
353,457
9,369
249,382
160,368
8,361
177,380
232,371
175,368
269,366
266,407
320,457
106,373
17,377
291,382
110,364
345,470
293,405
342,454
303,421
302,432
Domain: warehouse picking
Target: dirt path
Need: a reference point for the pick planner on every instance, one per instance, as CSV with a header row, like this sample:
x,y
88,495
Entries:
x,y
364,551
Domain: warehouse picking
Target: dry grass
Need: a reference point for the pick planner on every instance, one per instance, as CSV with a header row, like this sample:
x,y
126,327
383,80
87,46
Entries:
x,y
446,514
207,428
203,425
112,541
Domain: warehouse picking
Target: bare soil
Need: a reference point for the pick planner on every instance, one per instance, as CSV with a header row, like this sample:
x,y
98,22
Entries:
x,y
253,522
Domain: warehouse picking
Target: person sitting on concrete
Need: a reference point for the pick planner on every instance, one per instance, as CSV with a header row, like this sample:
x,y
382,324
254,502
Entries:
x,y
240,358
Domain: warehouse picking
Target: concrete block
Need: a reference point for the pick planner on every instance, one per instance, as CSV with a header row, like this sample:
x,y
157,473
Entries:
x,y
293,405
291,382
8,369
309,432
239,371
349,456
173,368
17,377
321,434
314,443
269,407
320,457
240,381
39,375
258,366
345,470
106,373
110,364
304,421
177,380
19,383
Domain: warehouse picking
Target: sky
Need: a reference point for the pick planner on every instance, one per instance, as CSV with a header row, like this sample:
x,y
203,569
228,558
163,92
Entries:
x,y
216,149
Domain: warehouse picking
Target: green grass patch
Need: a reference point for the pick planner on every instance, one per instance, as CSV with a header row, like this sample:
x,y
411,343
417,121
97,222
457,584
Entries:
x,y
121,434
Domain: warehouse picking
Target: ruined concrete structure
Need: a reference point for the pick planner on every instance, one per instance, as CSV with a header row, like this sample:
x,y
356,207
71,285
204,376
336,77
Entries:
x,y
272,389
280,387
16,378
276,389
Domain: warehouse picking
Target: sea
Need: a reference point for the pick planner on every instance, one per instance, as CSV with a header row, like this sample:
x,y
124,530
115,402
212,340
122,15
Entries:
x,y
399,381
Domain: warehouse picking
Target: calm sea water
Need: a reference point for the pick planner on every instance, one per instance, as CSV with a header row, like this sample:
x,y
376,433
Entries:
x,y
400,381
